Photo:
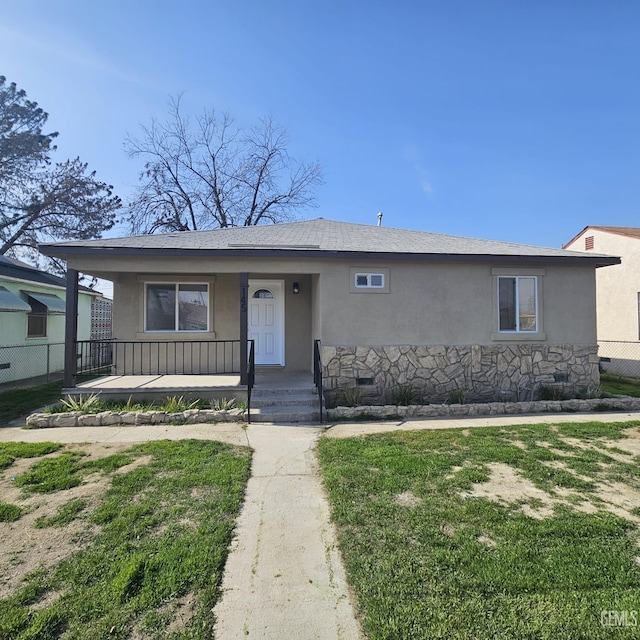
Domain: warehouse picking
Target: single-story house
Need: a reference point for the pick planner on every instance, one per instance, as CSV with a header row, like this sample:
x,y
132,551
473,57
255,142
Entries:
x,y
617,295
32,320
380,307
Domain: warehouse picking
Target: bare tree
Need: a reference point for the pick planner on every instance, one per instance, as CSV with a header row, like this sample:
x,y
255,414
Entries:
x,y
213,174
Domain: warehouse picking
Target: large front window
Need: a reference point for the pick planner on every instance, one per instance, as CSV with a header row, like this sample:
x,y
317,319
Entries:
x,y
177,307
517,303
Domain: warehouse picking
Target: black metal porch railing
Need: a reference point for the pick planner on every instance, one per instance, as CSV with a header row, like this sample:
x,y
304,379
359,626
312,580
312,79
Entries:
x,y
158,357
251,376
317,373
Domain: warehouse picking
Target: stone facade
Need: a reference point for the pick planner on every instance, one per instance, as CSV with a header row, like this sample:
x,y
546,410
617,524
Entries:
x,y
477,372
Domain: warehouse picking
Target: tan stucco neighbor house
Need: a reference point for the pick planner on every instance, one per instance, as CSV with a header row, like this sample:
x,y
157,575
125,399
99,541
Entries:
x,y
384,307
617,294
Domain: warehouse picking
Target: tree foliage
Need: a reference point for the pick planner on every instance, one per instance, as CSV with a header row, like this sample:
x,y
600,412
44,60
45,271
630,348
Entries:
x,y
41,201
209,173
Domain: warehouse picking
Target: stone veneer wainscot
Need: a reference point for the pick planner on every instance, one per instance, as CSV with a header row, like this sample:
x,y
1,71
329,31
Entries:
x,y
484,372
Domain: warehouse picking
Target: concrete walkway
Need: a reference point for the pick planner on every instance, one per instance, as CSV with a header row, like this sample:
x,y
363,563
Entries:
x,y
284,577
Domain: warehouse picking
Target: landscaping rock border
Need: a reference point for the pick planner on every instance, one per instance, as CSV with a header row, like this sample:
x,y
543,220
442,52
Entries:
x,y
113,418
376,412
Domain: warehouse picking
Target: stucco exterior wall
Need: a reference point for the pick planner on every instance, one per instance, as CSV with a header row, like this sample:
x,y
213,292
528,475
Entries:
x,y
224,310
424,304
451,304
617,286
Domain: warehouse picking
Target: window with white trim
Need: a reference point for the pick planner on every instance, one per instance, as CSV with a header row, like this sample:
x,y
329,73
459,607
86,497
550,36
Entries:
x,y
369,280
176,306
518,304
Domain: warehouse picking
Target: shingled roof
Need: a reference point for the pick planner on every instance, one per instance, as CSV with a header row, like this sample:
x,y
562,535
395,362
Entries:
x,y
319,236
631,232
17,270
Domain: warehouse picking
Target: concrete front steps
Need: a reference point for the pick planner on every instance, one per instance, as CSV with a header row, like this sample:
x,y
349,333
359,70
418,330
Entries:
x,y
280,404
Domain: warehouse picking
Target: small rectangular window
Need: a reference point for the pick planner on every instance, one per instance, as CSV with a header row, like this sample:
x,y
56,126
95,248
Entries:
x,y
517,304
369,280
37,320
36,325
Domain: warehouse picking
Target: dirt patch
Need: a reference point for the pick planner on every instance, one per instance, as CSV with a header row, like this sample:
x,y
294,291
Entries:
x,y
622,450
487,541
407,499
506,486
25,548
509,487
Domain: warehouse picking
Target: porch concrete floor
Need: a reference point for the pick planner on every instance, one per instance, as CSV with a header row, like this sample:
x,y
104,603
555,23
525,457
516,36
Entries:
x,y
265,378
156,382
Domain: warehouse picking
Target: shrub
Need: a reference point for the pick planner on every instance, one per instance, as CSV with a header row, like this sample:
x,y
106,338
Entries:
x,y
551,392
86,404
223,404
173,404
591,391
457,396
350,396
404,395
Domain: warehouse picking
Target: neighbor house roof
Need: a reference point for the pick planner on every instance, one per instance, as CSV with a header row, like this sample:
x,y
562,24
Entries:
x,y
319,237
631,232
13,269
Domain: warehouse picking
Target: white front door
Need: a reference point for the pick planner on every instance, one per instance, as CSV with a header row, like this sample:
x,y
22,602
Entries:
x,y
266,320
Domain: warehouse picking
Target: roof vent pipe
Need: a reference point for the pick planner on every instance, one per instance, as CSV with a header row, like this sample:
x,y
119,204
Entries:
x,y
379,218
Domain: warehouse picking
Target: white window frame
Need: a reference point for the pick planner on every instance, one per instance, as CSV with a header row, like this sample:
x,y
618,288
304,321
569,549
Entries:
x,y
518,336
368,275
517,279
176,286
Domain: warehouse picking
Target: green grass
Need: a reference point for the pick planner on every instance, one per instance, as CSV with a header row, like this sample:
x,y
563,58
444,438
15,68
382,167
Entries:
x,y
424,571
163,531
9,451
619,385
66,514
65,471
18,402
9,512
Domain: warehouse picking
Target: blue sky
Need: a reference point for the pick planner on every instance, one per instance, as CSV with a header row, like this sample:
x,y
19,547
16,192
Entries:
x,y
509,120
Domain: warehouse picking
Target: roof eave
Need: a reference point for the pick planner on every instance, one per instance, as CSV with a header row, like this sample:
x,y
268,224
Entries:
x,y
66,252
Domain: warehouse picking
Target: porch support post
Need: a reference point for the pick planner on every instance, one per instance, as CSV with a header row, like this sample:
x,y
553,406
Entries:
x,y
71,329
244,325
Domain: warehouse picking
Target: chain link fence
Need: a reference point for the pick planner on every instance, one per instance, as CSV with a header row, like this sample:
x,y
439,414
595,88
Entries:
x,y
620,358
25,361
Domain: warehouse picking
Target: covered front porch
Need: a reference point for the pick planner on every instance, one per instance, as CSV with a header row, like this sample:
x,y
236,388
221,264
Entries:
x,y
271,395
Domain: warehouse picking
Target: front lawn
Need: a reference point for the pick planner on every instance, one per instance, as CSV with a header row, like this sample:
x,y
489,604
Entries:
x,y
513,532
108,541
619,385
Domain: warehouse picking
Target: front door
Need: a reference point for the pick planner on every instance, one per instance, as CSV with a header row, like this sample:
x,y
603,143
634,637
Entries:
x,y
266,320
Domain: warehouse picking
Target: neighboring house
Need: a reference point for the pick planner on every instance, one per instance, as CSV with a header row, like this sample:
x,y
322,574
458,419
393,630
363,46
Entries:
x,y
389,306
617,294
32,320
